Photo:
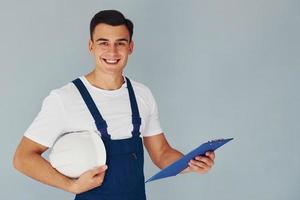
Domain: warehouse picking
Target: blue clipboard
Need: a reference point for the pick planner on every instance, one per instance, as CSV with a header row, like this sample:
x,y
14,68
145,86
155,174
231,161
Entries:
x,y
179,165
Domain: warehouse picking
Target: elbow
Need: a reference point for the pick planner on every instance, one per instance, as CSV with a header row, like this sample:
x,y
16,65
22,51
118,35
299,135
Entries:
x,y
17,161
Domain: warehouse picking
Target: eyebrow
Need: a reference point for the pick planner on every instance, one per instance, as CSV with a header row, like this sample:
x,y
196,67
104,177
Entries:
x,y
119,40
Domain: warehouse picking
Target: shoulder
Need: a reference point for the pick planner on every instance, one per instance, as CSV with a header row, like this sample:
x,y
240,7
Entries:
x,y
65,92
140,88
144,95
58,98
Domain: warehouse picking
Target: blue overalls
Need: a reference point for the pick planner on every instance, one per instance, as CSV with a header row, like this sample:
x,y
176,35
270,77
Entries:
x,y
124,178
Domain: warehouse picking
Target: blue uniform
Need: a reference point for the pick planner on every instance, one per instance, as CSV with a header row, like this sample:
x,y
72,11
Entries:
x,y
124,178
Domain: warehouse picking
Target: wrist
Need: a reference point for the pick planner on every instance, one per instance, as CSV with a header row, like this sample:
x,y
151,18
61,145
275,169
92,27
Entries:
x,y
71,186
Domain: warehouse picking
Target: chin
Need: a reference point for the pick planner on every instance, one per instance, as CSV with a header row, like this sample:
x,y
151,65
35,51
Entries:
x,y
112,69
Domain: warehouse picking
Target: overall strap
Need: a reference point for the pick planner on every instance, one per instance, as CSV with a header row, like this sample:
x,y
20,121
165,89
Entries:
x,y
136,119
99,121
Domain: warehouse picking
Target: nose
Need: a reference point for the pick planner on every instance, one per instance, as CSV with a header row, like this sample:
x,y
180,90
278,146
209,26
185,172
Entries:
x,y
112,49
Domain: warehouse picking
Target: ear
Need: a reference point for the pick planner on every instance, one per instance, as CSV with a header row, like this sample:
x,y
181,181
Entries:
x,y
131,47
90,46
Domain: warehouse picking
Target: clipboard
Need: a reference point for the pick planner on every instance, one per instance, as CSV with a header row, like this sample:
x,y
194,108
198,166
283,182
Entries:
x,y
179,165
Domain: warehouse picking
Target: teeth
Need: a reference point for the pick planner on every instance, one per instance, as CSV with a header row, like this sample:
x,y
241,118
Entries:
x,y
111,61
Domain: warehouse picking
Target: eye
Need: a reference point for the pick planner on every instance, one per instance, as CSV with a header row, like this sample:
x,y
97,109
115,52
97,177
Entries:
x,y
121,43
103,44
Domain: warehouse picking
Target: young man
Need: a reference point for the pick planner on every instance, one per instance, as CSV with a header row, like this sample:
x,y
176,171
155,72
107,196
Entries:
x,y
125,111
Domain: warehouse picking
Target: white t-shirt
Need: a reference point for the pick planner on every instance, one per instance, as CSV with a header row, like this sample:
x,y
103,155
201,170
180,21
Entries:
x,y
64,110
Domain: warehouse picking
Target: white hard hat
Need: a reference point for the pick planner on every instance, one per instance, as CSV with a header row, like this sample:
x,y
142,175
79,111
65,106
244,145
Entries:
x,y
77,152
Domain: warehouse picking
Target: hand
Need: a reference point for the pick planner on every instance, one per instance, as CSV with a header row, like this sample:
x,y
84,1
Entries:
x,y
201,164
88,180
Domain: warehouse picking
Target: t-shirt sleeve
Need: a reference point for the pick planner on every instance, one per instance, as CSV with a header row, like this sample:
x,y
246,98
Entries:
x,y
152,125
49,123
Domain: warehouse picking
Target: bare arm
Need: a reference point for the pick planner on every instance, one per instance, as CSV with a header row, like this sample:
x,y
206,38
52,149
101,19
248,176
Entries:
x,y
28,160
162,155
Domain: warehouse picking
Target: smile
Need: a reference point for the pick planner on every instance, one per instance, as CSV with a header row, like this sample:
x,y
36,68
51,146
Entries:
x,y
111,61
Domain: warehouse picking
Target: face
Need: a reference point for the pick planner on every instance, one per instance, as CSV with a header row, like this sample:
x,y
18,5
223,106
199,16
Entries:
x,y
111,47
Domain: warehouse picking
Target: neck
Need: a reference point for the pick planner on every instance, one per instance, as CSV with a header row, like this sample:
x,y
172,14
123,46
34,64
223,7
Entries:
x,y
105,81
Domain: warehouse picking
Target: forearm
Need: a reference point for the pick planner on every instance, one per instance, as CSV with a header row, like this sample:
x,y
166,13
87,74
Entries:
x,y
38,168
168,156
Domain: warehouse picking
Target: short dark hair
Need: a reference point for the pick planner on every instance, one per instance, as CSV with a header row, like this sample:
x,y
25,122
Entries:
x,y
110,17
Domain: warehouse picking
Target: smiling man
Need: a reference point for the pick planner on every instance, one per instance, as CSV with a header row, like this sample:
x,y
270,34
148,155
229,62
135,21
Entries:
x,y
122,110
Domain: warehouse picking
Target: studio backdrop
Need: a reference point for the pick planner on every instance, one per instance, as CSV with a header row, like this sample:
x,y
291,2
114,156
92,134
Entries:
x,y
217,69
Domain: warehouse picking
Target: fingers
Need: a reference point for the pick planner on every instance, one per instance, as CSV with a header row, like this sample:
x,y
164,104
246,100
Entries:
x,y
98,170
98,180
195,165
210,154
99,177
204,160
90,179
198,167
194,168
202,164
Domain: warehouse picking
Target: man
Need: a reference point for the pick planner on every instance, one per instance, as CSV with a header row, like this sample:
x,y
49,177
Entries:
x,y
126,113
